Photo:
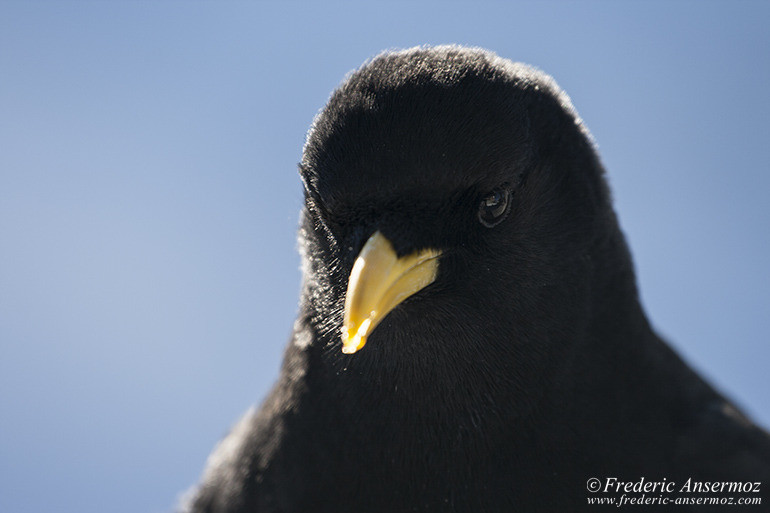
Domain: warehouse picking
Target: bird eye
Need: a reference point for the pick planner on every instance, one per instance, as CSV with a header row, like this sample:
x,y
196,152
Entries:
x,y
494,207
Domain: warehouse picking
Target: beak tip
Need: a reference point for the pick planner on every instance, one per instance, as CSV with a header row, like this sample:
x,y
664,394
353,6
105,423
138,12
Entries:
x,y
351,344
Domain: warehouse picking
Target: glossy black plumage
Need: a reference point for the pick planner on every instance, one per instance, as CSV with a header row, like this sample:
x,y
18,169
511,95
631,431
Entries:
x,y
525,369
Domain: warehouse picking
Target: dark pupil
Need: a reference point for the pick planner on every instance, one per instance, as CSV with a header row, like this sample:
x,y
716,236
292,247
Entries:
x,y
494,202
493,205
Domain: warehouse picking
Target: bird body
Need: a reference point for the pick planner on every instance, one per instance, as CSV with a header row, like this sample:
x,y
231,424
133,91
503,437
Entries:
x,y
516,365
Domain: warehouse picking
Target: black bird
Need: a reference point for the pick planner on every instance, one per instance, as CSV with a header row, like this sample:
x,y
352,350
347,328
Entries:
x,y
470,337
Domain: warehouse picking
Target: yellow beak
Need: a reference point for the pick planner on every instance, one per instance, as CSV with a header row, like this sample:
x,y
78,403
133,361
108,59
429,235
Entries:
x,y
379,282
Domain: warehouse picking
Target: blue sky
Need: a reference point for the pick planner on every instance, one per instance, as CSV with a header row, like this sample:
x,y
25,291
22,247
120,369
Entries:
x,y
149,199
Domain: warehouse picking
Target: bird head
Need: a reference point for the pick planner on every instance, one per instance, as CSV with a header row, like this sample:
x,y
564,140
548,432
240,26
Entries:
x,y
449,195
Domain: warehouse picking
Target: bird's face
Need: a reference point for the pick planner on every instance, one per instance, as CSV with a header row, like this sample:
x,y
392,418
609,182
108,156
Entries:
x,y
433,210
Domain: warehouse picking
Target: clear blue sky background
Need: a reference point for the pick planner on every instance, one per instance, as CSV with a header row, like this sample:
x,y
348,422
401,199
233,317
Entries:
x,y
149,199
